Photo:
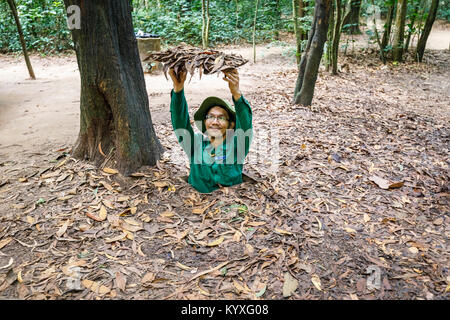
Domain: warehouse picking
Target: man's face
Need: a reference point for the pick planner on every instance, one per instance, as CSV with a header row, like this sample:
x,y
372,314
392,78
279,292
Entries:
x,y
217,122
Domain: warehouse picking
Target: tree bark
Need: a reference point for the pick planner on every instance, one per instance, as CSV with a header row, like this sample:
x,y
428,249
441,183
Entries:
x,y
399,34
352,17
310,62
297,29
336,36
115,118
208,22
377,36
421,44
13,8
329,43
413,17
388,26
254,30
205,23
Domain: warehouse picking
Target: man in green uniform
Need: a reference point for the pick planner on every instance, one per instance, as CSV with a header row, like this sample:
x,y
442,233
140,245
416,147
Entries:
x,y
217,154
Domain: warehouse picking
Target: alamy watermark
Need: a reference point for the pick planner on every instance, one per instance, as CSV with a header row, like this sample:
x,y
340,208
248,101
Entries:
x,y
74,17
255,146
374,279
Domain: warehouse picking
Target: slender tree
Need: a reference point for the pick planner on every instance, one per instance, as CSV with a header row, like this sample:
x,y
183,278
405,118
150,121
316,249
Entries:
x,y
237,14
12,6
115,119
352,17
377,35
421,44
297,30
388,24
205,23
254,30
328,44
309,64
336,36
413,15
399,34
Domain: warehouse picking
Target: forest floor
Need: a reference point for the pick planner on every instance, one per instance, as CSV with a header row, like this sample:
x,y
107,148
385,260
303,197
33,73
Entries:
x,y
350,201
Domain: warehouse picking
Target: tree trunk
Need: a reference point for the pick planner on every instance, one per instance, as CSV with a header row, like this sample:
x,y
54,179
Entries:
x,y
399,34
208,22
12,5
329,43
115,118
336,36
237,15
412,21
297,29
352,18
254,31
204,40
426,30
309,64
388,26
377,36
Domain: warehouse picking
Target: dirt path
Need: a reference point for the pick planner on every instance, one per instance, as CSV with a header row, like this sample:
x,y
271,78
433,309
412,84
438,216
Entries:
x,y
46,111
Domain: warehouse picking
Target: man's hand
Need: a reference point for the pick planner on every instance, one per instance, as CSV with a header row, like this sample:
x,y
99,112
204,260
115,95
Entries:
x,y
232,77
178,85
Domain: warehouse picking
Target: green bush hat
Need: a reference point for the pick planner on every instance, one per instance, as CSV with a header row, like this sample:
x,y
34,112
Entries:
x,y
208,103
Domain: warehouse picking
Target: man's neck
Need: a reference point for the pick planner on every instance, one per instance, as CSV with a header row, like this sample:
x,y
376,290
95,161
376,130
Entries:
x,y
216,141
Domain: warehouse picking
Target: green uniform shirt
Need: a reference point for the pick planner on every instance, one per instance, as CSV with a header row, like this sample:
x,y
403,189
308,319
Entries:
x,y
211,167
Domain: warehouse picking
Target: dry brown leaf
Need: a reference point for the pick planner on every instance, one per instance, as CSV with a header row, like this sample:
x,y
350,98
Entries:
x,y
133,222
256,224
63,228
283,231
103,214
237,236
167,214
121,281
199,210
148,278
239,287
350,230
203,234
316,282
106,185
129,227
183,267
118,238
290,285
30,220
9,264
215,242
51,175
108,204
438,221
95,286
413,250
385,184
110,170
160,184
4,242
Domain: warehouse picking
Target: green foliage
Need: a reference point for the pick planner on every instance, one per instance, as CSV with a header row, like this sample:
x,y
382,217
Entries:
x,y
181,20
45,29
444,10
43,24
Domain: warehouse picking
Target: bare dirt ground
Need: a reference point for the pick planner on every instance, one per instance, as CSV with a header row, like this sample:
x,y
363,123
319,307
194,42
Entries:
x,y
320,223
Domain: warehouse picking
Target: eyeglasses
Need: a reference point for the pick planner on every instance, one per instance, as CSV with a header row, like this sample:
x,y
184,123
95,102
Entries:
x,y
219,118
